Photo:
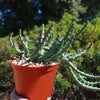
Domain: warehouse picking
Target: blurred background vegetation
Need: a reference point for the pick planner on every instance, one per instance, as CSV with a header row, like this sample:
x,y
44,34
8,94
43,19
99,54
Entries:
x,y
29,15
15,14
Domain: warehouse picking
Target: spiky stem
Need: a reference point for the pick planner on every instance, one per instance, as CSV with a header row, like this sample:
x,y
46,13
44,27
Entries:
x,y
87,86
15,46
25,43
84,27
67,56
74,67
46,37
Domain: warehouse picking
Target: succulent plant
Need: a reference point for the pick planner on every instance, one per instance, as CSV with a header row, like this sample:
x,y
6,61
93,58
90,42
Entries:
x,y
52,49
49,49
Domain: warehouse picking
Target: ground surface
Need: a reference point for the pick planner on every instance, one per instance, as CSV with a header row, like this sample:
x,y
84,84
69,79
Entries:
x,y
72,94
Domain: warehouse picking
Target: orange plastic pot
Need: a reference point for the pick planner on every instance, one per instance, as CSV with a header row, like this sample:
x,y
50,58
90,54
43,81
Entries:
x,y
34,83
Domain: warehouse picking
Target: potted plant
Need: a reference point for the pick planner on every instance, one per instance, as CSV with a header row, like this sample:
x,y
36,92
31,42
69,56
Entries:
x,y
35,69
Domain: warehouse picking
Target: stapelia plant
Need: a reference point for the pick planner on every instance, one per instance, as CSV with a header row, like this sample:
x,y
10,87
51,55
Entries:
x,y
52,49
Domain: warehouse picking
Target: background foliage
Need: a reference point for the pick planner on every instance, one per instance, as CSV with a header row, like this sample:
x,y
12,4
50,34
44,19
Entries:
x,y
15,14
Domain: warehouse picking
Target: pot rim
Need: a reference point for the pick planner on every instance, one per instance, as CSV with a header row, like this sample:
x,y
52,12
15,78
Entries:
x,y
41,67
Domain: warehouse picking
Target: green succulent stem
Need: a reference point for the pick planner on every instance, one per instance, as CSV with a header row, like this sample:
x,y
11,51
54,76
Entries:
x,y
74,67
82,82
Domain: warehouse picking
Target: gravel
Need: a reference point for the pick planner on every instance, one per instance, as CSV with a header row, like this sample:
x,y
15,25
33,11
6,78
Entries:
x,y
26,62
